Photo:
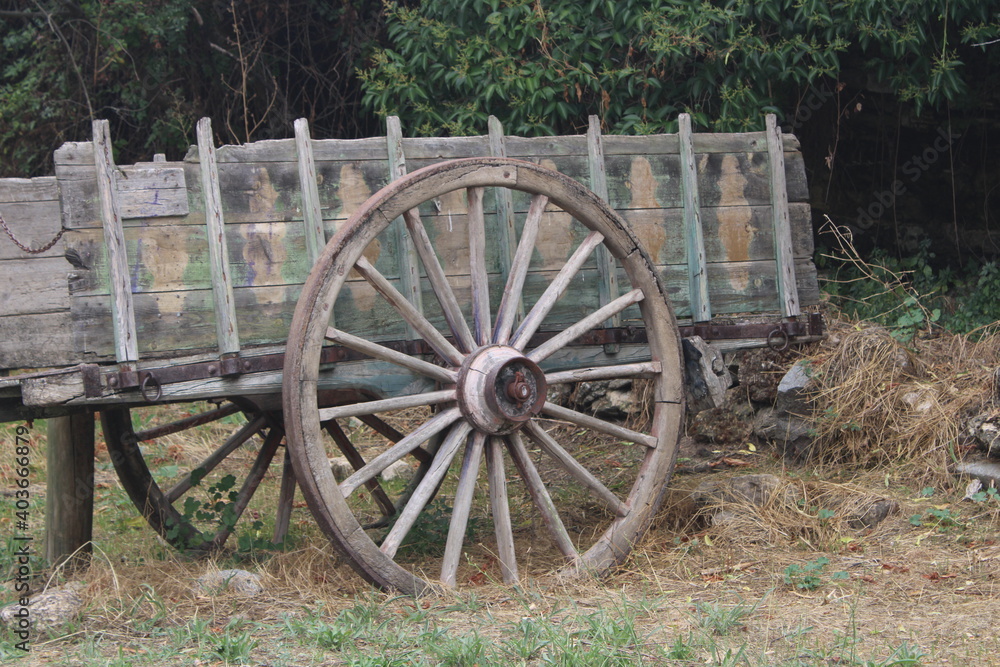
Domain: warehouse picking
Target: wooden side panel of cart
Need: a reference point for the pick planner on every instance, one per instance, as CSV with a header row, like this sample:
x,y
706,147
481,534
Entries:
x,y
264,208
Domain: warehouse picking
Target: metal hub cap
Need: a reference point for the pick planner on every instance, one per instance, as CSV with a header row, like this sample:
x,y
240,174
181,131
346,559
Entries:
x,y
499,389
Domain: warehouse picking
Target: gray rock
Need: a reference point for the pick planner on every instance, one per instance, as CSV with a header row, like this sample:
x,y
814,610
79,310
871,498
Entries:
x,y
707,376
236,581
985,472
48,610
984,429
788,424
755,489
560,394
792,434
608,399
795,391
875,514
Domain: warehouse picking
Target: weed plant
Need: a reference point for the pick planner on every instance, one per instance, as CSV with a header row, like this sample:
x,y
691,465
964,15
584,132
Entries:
x,y
908,294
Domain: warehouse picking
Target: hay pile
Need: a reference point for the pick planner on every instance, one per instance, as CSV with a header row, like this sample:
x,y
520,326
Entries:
x,y
879,402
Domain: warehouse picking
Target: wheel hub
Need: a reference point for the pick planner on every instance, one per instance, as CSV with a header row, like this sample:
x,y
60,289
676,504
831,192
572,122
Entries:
x,y
499,389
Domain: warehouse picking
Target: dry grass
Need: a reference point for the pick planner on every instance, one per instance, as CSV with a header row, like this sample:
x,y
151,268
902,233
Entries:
x,y
891,422
881,403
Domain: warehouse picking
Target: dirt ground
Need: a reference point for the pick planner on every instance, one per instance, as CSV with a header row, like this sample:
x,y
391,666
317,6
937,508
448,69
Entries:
x,y
925,577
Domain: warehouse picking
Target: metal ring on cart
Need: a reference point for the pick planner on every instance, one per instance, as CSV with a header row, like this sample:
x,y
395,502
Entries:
x,y
149,380
775,336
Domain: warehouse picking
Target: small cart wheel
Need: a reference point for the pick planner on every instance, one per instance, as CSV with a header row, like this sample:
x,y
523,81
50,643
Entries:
x,y
197,508
565,491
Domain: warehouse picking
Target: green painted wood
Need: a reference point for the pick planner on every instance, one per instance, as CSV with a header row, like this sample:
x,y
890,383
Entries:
x,y
787,292
268,254
227,334
700,304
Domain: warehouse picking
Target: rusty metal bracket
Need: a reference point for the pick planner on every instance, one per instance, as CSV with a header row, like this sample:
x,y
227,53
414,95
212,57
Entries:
x,y
91,374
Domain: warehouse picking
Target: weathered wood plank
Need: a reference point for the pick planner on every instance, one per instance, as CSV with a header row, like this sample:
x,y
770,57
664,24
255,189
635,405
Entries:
x,y
506,232
272,192
122,312
34,224
226,329
694,240
151,191
25,190
444,148
34,286
311,212
787,292
409,267
37,341
608,288
69,499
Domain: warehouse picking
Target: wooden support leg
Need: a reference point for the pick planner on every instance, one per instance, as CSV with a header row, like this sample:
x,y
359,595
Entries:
x,y
69,500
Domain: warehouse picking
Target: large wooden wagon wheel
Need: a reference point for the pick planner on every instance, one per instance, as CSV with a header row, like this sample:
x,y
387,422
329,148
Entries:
x,y
199,508
491,396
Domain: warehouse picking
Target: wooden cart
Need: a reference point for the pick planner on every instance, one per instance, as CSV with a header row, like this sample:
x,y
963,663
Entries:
x,y
463,292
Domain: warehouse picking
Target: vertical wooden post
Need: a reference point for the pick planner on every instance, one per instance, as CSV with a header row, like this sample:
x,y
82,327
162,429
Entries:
x,y
311,213
69,500
784,257
409,270
701,310
506,231
218,254
608,286
122,312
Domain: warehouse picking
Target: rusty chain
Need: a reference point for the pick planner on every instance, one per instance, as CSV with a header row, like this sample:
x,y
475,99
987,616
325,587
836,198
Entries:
x,y
33,251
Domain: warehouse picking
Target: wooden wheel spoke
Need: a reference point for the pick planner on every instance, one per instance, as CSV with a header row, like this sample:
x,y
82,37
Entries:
x,y
574,468
392,435
462,508
518,271
250,484
501,510
537,314
599,425
420,435
478,348
215,458
477,267
384,405
426,488
649,369
384,353
581,327
187,422
286,496
439,281
357,462
409,313
540,496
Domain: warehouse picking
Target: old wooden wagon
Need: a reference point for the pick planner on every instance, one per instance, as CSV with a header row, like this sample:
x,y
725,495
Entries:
x,y
481,274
